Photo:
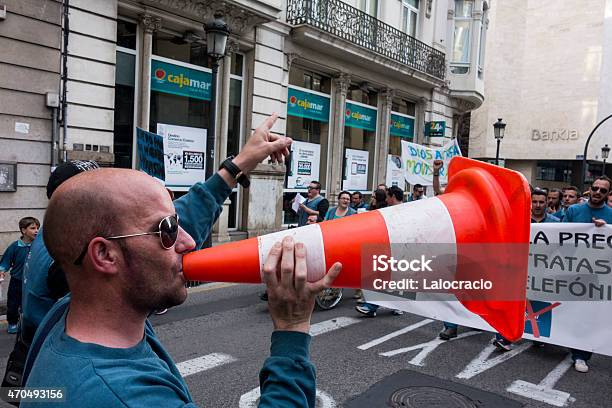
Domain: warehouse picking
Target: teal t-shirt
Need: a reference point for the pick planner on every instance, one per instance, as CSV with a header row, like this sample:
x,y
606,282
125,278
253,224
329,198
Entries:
x,y
585,213
14,258
96,376
331,213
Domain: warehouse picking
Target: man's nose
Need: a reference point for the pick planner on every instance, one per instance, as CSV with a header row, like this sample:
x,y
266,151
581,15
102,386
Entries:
x,y
184,242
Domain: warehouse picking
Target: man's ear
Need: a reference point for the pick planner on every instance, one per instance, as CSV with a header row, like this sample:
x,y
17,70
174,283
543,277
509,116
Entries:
x,y
104,255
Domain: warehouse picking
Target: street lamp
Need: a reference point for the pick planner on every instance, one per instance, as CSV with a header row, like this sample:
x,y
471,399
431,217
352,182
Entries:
x,y
217,32
605,151
499,128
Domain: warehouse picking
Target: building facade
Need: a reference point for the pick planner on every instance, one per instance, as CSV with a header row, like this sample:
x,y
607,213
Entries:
x,y
349,79
550,84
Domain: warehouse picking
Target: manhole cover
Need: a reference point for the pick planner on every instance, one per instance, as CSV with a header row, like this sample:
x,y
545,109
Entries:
x,y
430,397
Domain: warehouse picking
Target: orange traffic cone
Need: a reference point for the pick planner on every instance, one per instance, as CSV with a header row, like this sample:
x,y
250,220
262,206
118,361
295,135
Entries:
x,y
477,231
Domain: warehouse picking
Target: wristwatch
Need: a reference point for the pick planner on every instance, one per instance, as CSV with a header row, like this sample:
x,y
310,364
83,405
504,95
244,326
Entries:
x,y
235,172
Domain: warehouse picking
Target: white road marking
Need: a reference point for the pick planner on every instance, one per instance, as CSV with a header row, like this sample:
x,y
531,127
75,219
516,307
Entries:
x,y
544,391
251,398
389,336
204,363
482,362
426,348
333,324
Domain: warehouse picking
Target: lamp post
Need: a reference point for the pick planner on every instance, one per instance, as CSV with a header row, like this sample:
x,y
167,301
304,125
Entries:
x,y
217,32
586,148
605,151
499,128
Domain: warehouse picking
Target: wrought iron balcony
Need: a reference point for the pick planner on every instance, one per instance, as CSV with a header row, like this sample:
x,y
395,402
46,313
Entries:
x,y
349,23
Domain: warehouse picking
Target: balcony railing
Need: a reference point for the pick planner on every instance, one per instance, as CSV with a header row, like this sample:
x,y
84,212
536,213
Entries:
x,y
349,23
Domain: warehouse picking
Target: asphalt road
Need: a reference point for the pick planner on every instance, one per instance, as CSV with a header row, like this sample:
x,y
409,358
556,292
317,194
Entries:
x,y
220,338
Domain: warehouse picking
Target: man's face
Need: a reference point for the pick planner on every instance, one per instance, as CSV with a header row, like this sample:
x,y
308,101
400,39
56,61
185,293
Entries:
x,y
355,199
570,197
313,190
418,192
599,192
391,200
30,232
312,219
538,205
153,277
553,198
610,200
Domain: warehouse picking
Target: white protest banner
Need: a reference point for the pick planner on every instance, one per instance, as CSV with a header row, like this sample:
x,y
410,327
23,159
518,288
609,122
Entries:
x,y
356,171
305,159
395,171
418,161
184,155
569,289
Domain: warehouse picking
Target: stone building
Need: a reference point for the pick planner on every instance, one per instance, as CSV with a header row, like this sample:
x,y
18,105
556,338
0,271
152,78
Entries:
x,y
548,78
349,79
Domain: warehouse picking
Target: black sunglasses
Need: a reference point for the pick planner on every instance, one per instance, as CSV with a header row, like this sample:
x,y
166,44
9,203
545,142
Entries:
x,y
167,230
604,191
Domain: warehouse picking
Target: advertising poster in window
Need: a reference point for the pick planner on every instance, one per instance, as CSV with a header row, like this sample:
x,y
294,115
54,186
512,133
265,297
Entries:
x,y
356,171
418,161
305,159
184,155
395,171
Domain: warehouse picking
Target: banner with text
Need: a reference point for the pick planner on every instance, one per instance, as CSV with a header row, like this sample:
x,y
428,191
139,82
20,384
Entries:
x,y
305,104
184,155
418,161
179,80
360,117
569,289
305,158
356,170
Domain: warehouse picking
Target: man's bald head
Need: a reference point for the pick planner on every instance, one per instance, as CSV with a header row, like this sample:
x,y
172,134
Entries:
x,y
94,204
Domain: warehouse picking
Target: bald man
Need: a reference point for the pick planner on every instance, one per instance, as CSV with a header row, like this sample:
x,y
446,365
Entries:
x,y
123,259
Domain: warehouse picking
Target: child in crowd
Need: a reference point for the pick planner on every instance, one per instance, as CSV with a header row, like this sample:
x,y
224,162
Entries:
x,y
13,260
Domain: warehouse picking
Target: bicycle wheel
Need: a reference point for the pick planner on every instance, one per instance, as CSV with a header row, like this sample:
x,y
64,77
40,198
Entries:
x,y
328,298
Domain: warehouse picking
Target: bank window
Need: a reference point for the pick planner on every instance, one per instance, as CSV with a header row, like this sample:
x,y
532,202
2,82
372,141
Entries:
x,y
404,129
360,118
125,92
234,131
313,81
180,48
460,57
308,112
410,17
126,34
554,171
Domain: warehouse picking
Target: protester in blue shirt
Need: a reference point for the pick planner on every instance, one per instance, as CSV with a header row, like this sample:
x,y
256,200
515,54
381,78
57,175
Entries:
x,y
129,264
13,260
357,201
593,211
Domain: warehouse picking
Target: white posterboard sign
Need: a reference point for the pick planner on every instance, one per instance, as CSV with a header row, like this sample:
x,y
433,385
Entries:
x,y
184,155
356,171
395,171
418,161
305,159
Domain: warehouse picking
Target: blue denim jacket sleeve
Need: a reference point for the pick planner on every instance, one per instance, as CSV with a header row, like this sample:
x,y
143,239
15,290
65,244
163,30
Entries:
x,y
200,207
288,378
